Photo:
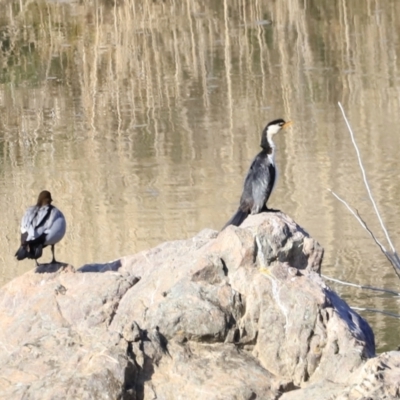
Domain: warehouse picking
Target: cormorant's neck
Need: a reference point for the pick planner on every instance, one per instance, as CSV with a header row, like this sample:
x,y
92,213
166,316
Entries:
x,y
267,144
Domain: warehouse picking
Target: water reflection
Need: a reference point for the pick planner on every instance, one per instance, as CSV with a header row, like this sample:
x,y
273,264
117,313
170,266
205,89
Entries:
x,y
142,117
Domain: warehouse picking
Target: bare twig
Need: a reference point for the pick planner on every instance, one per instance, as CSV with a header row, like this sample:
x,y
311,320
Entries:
x,y
361,286
377,311
392,255
360,220
365,179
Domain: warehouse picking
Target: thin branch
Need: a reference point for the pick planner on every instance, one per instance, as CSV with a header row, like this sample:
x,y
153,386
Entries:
x,y
392,257
365,178
360,220
377,311
361,286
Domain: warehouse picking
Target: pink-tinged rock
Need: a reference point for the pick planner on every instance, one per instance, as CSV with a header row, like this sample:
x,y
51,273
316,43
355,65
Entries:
x,y
240,314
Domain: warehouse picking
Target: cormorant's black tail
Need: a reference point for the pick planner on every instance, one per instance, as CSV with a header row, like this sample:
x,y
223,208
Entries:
x,y
237,218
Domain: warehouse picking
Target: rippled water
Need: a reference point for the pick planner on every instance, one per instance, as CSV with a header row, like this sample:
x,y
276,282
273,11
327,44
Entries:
x,y
142,118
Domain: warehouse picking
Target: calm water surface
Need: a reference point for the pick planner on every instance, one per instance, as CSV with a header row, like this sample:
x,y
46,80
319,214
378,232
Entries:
x,y
142,118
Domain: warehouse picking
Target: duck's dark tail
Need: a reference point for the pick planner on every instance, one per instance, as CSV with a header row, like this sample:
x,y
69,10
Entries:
x,y
22,253
237,218
29,251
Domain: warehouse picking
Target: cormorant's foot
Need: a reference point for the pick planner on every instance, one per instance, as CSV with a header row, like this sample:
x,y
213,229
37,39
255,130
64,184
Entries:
x,y
266,209
271,210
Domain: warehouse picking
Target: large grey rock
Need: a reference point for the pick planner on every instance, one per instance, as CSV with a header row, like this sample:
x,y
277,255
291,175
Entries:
x,y
242,314
376,379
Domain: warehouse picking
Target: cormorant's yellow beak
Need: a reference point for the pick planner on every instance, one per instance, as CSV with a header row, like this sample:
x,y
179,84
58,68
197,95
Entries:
x,y
287,124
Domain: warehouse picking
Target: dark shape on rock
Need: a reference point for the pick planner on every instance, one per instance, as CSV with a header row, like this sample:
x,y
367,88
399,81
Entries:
x,y
111,266
53,267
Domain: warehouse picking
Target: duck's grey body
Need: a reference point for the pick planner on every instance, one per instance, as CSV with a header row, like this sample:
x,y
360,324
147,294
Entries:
x,y
42,225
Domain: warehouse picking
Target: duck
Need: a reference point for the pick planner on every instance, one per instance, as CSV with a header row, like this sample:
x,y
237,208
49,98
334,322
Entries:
x,y
42,225
261,177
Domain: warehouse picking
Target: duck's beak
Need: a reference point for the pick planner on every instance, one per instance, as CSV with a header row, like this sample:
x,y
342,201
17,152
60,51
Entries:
x,y
287,124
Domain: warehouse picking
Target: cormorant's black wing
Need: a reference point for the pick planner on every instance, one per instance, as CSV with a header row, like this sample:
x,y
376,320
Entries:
x,y
257,188
258,184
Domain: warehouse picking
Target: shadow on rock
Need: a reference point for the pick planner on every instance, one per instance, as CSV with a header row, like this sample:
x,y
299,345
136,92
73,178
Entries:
x,y
111,266
53,267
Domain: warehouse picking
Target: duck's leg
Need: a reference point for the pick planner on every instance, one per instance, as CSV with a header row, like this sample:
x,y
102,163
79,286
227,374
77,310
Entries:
x,y
54,257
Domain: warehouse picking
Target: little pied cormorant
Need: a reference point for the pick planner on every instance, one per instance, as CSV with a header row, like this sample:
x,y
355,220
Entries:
x,y
261,178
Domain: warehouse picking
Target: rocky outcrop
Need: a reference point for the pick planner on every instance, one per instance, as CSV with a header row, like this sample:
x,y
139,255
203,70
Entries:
x,y
242,314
